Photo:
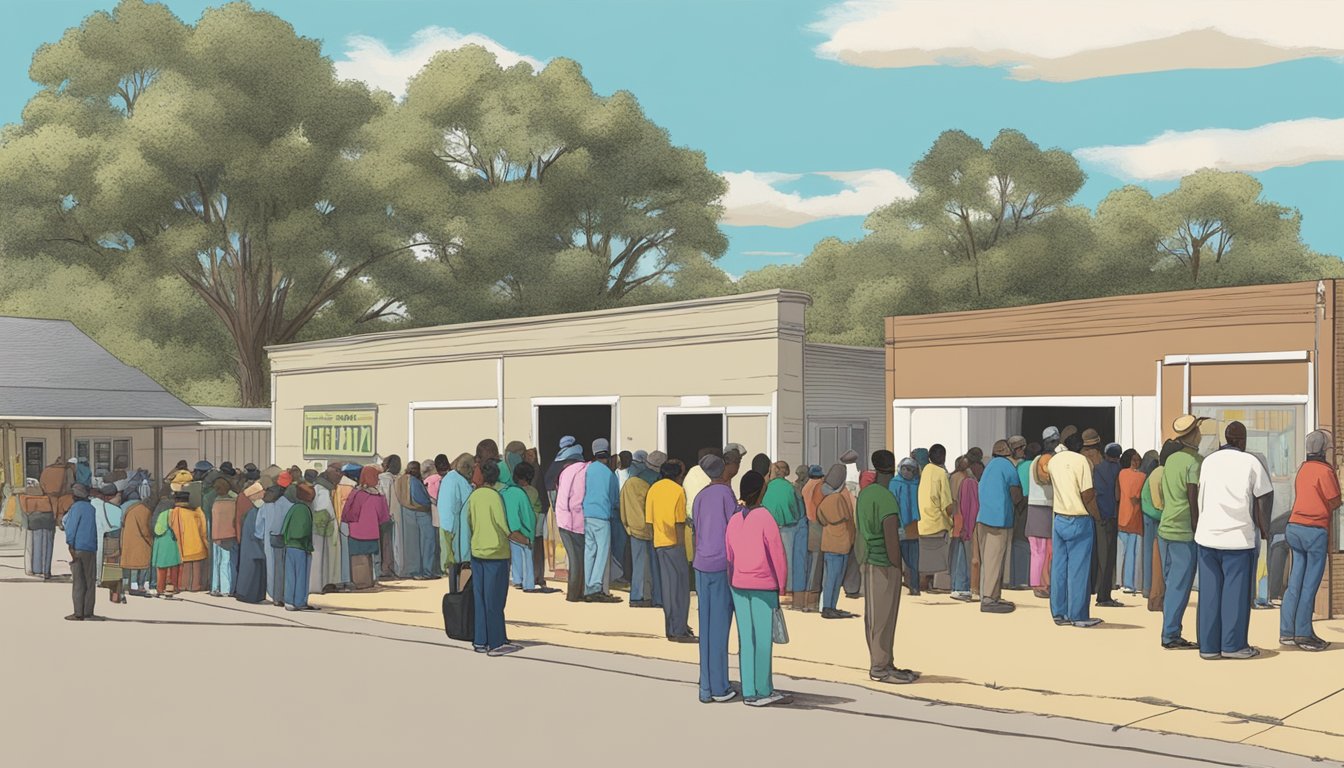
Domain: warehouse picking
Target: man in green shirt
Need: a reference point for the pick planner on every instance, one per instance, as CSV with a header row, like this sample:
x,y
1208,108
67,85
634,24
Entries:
x,y
297,532
1176,531
489,562
879,528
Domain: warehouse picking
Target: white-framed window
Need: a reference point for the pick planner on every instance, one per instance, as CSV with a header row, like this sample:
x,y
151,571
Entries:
x,y
104,454
1276,433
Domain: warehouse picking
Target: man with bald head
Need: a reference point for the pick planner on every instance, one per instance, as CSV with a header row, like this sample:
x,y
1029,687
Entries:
x,y
1234,501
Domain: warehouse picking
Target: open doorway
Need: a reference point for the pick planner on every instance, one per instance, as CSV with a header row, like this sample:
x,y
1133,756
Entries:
x,y
584,423
688,433
1035,420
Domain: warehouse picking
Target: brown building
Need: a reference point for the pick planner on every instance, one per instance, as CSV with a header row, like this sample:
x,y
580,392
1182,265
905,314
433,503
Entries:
x,y
1128,365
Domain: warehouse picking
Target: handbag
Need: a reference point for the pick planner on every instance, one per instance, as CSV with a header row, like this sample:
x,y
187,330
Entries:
x,y
779,631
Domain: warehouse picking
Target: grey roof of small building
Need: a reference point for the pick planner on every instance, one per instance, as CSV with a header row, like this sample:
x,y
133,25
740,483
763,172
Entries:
x,y
220,413
50,370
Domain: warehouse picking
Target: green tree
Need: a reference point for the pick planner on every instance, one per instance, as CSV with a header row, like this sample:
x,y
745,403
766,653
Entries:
x,y
224,154
544,195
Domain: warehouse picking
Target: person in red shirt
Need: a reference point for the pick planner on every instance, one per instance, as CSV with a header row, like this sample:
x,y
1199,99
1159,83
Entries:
x,y
1315,501
1131,521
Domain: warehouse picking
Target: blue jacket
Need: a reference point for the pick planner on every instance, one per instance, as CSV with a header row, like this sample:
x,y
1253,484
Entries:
x,y
602,494
907,496
81,529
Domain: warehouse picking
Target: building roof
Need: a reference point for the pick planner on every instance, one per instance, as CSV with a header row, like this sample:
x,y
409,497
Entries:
x,y
52,371
219,413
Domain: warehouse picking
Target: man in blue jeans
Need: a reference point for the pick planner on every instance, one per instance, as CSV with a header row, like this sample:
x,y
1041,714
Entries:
x,y
1316,500
1176,531
1234,500
711,510
601,504
1075,518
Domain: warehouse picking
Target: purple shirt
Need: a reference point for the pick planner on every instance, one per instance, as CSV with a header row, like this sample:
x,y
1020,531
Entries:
x,y
710,513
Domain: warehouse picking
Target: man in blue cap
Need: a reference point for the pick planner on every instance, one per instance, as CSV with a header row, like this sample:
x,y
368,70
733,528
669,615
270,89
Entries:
x,y
601,504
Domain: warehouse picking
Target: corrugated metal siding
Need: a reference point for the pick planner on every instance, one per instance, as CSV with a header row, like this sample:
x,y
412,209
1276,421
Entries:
x,y
845,383
240,446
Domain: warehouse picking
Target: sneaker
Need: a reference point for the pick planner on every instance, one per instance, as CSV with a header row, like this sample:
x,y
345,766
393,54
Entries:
x,y
895,677
1087,623
772,699
999,607
480,649
291,608
1060,621
964,597
1288,642
1210,656
1311,643
729,696
1245,653
1179,644
503,650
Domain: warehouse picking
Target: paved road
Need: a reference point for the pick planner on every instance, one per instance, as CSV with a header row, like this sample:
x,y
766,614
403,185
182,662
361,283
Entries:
x,y
210,682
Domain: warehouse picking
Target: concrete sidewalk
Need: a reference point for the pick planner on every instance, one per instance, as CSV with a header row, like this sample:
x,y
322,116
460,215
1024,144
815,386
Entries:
x,y
1117,674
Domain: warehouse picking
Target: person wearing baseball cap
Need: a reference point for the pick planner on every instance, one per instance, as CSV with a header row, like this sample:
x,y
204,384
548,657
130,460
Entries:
x,y
1316,501
601,505
645,589
1000,493
665,512
81,536
1176,531
714,506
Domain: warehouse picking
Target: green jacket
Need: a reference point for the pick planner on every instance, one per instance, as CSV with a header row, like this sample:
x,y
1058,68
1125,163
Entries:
x,y
489,525
782,501
166,553
297,529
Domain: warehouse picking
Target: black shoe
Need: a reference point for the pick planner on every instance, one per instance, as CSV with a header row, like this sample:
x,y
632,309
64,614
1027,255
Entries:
x,y
1062,622
641,603
1311,643
1180,644
684,639
600,597
998,607
828,613
1110,604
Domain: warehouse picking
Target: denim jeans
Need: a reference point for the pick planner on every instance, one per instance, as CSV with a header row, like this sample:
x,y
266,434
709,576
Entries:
x,y
1071,567
716,620
490,591
596,554
620,555
422,530
959,566
645,583
297,563
1299,599
830,582
1223,614
1149,539
789,535
910,561
222,568
1178,572
797,558
1131,573
43,542
520,566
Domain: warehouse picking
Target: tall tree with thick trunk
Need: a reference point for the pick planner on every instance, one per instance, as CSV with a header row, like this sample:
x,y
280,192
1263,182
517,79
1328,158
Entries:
x,y
225,153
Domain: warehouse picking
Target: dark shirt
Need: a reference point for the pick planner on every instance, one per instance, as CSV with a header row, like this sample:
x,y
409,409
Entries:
x,y
1106,481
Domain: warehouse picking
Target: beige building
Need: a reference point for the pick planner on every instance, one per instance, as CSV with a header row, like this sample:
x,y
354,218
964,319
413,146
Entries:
x,y
675,377
1268,356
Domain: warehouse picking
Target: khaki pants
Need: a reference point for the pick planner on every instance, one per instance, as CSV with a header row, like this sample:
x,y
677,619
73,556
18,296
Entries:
x,y
881,606
993,544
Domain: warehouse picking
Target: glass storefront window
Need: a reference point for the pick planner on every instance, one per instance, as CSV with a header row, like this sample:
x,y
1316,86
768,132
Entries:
x,y
104,454
1274,433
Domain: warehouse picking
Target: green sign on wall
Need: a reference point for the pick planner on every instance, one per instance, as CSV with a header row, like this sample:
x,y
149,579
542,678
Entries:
x,y
343,431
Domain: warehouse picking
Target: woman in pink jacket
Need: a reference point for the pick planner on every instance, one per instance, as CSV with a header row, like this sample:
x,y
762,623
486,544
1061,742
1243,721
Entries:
x,y
757,572
365,512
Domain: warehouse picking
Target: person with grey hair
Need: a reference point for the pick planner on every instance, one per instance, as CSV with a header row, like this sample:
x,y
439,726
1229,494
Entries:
x,y
714,506
601,504
835,518
1316,500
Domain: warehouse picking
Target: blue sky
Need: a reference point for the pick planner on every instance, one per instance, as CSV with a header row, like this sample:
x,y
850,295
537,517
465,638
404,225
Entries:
x,y
815,110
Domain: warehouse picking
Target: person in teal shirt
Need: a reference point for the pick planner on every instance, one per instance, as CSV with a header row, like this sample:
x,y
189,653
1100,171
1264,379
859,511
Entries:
x,y
781,499
522,520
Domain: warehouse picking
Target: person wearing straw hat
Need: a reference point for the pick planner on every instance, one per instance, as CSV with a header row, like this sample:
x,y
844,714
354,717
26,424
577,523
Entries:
x,y
1176,531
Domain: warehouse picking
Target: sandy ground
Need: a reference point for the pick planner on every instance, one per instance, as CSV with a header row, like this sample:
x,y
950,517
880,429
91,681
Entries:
x,y
210,682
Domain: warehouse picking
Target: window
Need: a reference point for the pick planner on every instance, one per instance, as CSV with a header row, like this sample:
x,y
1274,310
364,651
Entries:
x,y
833,439
1274,433
104,455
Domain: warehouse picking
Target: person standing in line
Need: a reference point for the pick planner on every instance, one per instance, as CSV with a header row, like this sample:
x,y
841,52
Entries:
x,y
273,514
415,530
490,562
1151,516
250,586
365,515
665,512
441,467
812,497
189,528
1019,571
569,520
714,507
798,558
1000,492
755,555
323,574
167,557
297,532
879,529
782,503
1040,514
935,517
1235,496
1130,521
836,517
1075,533
693,483
645,591
905,487
452,504
106,502
521,518
1157,593
1317,499
1176,532
223,536
137,544
601,504
965,565
1106,481
81,536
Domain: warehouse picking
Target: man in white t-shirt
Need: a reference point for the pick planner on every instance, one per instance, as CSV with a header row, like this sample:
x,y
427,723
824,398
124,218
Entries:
x,y
1234,500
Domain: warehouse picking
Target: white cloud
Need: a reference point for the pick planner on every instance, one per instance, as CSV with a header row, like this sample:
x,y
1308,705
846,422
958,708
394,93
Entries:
x,y
1066,40
774,254
1177,153
754,201
369,59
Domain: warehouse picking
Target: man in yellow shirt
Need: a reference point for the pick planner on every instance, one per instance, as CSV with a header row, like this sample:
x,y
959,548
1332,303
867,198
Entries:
x,y
1076,515
665,512
935,516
